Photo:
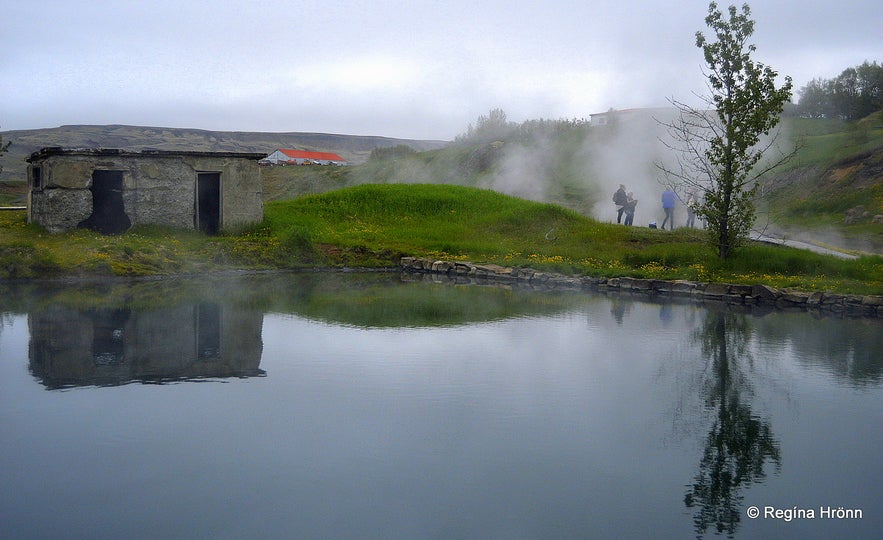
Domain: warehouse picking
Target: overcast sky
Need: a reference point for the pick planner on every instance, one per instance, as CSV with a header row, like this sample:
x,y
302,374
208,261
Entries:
x,y
409,69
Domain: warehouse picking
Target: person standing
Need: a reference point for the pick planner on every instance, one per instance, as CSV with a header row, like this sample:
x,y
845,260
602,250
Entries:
x,y
620,199
668,206
691,209
630,206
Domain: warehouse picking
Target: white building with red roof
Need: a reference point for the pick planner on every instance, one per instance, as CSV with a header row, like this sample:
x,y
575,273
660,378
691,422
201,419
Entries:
x,y
285,156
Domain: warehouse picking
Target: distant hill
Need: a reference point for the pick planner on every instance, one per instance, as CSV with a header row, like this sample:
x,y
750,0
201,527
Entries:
x,y
354,148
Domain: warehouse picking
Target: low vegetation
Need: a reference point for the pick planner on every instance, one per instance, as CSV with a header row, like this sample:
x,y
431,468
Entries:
x,y
374,225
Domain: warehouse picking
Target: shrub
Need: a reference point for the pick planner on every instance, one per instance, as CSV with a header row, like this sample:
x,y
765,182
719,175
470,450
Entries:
x,y
297,241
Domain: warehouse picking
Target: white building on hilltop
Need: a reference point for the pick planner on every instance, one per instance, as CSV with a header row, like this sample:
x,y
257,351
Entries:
x,y
285,156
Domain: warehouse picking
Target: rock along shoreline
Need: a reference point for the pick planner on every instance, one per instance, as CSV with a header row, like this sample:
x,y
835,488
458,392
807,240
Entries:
x,y
750,296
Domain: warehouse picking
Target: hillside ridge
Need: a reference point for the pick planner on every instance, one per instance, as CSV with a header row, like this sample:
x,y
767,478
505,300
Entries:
x,y
353,148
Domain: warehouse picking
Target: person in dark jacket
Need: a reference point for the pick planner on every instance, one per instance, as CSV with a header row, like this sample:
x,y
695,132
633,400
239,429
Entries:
x,y
630,206
620,199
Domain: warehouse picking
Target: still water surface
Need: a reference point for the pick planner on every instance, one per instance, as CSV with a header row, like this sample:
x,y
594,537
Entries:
x,y
360,406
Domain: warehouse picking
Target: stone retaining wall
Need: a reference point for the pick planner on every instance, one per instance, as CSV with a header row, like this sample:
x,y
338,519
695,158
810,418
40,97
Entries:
x,y
850,305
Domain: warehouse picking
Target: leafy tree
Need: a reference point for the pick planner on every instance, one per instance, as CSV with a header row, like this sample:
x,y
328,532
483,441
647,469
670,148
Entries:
x,y
496,127
545,128
854,94
870,89
815,100
720,145
488,128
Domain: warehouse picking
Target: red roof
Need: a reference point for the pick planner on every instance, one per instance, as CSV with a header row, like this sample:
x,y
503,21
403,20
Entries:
x,y
302,154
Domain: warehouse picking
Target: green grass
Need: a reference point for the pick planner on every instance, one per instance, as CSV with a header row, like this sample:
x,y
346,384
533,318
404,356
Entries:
x,y
28,251
837,168
288,182
823,142
458,223
13,193
374,225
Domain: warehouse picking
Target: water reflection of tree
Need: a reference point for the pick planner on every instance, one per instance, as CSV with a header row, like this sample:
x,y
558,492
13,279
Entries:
x,y
738,444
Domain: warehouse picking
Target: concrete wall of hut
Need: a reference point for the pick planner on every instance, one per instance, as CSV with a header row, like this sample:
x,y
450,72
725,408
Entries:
x,y
242,193
157,190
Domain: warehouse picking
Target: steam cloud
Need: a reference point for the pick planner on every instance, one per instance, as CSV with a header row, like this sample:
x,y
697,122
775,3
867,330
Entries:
x,y
625,151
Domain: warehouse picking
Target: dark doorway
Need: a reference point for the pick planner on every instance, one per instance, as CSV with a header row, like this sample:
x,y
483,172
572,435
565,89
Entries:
x,y
208,202
108,212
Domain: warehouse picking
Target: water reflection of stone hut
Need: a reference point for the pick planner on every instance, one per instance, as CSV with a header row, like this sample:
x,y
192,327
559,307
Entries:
x,y
112,346
109,190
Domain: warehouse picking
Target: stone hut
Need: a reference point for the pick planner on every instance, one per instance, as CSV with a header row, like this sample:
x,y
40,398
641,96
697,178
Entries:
x,y
109,190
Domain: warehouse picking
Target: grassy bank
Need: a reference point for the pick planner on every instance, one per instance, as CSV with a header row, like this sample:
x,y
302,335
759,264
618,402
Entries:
x,y
374,225
837,167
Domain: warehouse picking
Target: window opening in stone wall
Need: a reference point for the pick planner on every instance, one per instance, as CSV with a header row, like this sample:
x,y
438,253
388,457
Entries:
x,y
208,202
36,178
108,211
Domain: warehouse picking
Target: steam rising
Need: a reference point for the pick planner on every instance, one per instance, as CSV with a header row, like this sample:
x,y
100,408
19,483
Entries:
x,y
625,150
579,168
524,171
